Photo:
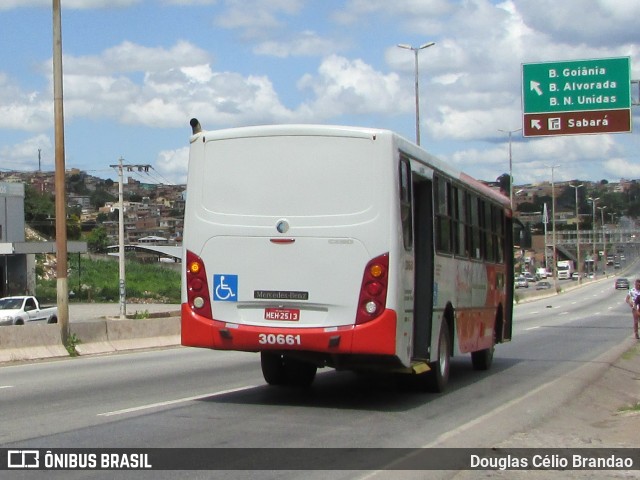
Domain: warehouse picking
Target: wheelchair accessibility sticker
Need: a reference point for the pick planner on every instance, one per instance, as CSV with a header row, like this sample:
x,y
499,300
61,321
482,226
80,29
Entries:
x,y
225,288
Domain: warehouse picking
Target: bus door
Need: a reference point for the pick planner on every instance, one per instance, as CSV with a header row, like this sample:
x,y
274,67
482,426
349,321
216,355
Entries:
x,y
424,275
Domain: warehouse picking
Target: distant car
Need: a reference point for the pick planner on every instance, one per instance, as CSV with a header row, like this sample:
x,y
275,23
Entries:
x,y
529,277
575,276
543,285
622,283
522,282
616,265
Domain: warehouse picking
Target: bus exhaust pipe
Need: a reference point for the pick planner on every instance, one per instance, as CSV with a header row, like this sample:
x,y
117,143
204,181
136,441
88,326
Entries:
x,y
195,126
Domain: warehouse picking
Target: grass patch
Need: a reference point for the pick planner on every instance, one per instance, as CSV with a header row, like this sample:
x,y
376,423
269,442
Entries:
x,y
632,352
98,281
72,341
630,408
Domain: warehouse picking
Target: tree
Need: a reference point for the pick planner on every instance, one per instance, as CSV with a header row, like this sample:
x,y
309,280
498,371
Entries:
x,y
99,197
504,181
97,240
39,210
73,227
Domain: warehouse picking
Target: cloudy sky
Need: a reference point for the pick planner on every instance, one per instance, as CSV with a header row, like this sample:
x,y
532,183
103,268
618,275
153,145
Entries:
x,y
136,71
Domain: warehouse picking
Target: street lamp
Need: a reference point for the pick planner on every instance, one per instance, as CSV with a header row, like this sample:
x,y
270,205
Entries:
x,y
415,52
604,235
578,233
553,223
593,203
510,132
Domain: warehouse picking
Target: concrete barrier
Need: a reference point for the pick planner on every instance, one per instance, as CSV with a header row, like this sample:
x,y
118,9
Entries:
x,y
31,342
113,335
143,333
92,336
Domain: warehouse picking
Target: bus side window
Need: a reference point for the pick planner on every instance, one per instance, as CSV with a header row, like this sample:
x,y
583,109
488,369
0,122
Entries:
x,y
460,216
475,227
405,203
443,215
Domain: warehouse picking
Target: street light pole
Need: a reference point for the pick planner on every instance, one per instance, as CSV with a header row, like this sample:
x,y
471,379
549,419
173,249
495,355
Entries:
x,y
415,52
553,223
578,233
510,132
604,234
593,203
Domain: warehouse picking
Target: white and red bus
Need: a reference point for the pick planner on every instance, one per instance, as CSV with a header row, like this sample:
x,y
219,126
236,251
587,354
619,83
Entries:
x,y
351,248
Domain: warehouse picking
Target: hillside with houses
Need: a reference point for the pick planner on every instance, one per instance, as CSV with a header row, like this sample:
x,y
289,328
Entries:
x,y
152,211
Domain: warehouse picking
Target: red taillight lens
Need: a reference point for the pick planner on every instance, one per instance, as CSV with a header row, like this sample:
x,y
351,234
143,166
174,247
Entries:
x,y
373,292
197,286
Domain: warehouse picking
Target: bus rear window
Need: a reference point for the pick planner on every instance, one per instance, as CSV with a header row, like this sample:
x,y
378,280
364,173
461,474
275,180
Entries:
x,y
294,176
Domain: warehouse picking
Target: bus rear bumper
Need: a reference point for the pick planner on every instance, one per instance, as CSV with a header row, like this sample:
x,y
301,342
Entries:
x,y
377,337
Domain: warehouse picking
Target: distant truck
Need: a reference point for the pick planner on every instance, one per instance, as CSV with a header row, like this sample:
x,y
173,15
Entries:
x,y
19,310
565,269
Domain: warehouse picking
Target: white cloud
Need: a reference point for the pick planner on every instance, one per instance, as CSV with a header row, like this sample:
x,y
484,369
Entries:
x,y
131,57
306,43
355,10
345,86
22,110
173,164
190,2
176,82
622,168
24,155
595,23
255,17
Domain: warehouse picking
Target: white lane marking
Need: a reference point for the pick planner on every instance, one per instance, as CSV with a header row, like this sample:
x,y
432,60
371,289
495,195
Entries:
x,y
174,402
5,386
489,414
531,328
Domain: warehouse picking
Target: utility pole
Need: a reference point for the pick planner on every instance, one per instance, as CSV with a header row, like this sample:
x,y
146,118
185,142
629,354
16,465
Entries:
x,y
121,257
62,287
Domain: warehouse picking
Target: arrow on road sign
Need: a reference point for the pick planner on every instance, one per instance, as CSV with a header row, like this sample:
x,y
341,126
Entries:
x,y
535,123
535,86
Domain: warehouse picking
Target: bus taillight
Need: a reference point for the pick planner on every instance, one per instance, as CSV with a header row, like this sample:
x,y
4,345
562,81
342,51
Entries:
x,y
197,287
373,292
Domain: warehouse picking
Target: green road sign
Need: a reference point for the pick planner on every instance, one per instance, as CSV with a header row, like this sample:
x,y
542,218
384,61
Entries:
x,y
577,85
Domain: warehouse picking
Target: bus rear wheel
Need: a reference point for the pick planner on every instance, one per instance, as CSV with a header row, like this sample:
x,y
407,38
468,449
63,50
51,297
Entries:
x,y
438,376
279,370
482,359
273,369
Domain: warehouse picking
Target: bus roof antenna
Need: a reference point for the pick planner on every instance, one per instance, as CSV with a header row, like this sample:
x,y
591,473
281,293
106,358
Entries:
x,y
195,126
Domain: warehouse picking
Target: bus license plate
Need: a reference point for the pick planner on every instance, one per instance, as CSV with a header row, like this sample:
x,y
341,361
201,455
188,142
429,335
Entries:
x,y
284,314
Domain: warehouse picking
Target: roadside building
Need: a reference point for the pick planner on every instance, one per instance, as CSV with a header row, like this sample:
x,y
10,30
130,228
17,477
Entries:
x,y
17,255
